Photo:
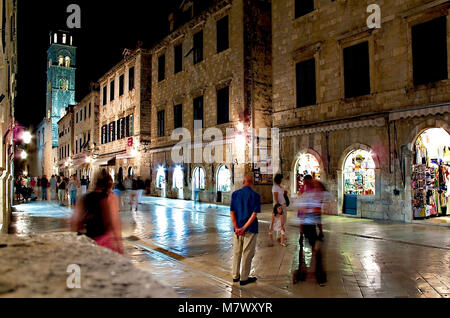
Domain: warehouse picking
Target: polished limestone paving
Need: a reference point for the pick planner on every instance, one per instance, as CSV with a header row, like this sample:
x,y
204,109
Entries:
x,y
188,246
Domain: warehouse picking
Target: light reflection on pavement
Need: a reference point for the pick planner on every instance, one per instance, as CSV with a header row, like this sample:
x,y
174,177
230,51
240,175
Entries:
x,y
189,247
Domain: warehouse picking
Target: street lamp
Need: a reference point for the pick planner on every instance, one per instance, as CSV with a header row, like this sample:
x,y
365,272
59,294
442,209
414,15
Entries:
x,y
26,137
88,159
23,155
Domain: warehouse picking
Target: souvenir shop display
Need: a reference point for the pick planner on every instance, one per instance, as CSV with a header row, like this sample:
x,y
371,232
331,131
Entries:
x,y
430,179
307,164
359,173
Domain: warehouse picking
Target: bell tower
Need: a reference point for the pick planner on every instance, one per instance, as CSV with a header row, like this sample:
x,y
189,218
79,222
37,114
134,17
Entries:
x,y
61,62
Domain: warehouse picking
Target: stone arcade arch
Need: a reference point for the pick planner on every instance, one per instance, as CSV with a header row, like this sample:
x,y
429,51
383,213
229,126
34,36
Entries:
x,y
428,171
293,173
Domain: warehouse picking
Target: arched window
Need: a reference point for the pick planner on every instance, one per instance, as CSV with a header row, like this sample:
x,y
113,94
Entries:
x,y
60,60
223,179
67,59
198,179
64,84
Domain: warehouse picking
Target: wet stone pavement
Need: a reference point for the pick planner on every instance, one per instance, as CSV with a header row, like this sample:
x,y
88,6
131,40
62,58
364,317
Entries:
x,y
188,246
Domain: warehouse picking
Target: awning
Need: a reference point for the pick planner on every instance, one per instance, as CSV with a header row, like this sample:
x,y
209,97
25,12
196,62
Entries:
x,y
107,161
424,111
344,126
126,156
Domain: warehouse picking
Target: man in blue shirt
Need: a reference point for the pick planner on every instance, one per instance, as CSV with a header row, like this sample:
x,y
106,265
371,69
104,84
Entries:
x,y
245,205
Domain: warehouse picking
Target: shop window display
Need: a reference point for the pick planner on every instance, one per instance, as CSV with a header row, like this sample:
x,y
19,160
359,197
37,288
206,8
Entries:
x,y
178,178
199,179
160,179
306,164
224,179
359,173
430,179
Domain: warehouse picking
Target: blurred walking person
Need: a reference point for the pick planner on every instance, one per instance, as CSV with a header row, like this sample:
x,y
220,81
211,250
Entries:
x,y
44,186
309,206
83,183
97,215
244,208
133,194
73,186
53,188
140,185
62,191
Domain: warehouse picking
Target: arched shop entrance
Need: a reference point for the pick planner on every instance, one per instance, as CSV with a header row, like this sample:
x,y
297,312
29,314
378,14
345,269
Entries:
x,y
178,180
112,173
223,182
120,176
306,164
161,181
198,182
358,179
130,172
430,178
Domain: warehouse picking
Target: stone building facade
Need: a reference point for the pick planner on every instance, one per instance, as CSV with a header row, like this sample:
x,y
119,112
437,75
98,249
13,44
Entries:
x,y
124,117
344,93
86,132
214,67
65,148
8,71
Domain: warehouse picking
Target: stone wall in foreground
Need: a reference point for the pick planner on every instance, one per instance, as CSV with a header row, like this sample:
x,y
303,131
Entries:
x,y
36,266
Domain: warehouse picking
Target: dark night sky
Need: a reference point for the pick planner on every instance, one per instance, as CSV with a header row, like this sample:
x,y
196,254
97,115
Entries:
x,y
107,27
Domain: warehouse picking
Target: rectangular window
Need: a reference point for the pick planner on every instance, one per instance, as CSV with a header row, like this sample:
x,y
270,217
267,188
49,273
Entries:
x,y
223,98
198,47
357,70
429,50
111,90
85,113
76,146
81,115
198,109
112,128
127,126
121,83
104,140
161,123
122,128
161,68
105,98
178,53
76,118
178,116
222,34
303,7
131,125
306,83
131,78
118,135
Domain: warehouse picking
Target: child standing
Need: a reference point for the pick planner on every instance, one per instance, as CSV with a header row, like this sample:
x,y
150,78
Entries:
x,y
277,225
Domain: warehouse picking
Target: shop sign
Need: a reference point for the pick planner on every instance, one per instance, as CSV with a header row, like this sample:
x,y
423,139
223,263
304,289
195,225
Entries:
x,y
130,142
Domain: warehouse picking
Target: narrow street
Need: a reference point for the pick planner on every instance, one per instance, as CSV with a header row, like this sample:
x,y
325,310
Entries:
x,y
188,246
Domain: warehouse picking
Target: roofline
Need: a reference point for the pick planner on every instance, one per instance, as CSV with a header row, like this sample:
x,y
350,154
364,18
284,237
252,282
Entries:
x,y
124,60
